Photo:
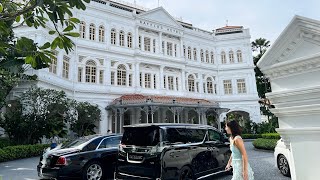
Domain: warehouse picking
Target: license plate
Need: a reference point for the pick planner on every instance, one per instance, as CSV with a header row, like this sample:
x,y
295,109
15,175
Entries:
x,y
135,157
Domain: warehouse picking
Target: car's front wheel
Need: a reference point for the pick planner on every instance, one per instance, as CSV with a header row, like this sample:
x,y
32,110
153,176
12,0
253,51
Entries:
x,y
186,173
283,165
93,171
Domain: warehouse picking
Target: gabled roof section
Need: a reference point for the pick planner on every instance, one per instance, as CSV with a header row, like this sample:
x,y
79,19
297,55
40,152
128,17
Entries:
x,y
298,41
160,15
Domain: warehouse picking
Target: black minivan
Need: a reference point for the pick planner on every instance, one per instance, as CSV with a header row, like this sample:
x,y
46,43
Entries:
x,y
171,151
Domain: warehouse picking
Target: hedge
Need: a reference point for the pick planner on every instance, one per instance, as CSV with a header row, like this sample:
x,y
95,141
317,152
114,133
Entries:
x,y
271,136
22,151
251,136
267,144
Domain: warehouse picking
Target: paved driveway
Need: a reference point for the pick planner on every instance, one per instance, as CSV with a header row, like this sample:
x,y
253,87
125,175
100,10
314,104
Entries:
x,y
261,162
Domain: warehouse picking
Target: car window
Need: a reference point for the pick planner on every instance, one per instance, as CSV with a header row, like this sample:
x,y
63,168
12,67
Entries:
x,y
92,145
213,135
110,142
141,136
183,135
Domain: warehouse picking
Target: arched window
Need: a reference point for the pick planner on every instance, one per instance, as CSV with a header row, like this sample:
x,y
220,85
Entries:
x,y
92,32
195,54
212,57
231,56
207,56
189,52
239,56
202,55
191,82
209,86
129,39
101,34
121,75
82,29
121,37
91,69
223,57
113,36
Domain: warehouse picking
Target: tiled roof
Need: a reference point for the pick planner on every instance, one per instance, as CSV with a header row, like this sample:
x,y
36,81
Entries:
x,y
140,99
230,27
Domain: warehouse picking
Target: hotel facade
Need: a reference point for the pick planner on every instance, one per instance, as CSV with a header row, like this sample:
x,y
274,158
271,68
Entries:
x,y
145,66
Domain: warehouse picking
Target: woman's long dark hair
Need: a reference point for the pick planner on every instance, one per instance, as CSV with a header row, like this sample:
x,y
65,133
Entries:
x,y
235,128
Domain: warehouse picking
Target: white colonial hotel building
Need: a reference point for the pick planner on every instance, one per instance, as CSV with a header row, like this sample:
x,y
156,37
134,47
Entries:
x,y
144,66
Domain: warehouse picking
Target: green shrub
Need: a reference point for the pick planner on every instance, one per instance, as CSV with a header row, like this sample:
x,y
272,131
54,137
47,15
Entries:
x,y
271,136
251,136
22,151
267,144
4,142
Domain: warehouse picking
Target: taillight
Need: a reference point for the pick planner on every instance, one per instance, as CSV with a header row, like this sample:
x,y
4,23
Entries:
x,y
121,146
61,161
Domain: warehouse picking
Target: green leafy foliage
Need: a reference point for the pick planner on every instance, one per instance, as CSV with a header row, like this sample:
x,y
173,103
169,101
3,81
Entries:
x,y
271,136
4,142
45,112
17,51
251,136
88,116
37,113
267,144
21,151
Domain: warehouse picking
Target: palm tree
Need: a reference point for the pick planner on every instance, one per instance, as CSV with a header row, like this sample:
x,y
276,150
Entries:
x,y
261,45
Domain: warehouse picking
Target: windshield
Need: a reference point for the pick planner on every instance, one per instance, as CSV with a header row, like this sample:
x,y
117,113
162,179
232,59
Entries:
x,y
141,136
77,142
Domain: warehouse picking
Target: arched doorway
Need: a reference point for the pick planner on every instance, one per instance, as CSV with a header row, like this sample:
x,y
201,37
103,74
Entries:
x,y
243,118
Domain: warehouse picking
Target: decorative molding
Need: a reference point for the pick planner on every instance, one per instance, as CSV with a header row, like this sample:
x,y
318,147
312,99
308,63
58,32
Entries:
x,y
81,58
293,67
113,62
101,61
129,65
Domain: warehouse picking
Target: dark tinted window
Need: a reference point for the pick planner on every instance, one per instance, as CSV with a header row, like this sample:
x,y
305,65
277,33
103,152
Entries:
x,y
110,142
183,135
141,136
92,145
78,141
213,135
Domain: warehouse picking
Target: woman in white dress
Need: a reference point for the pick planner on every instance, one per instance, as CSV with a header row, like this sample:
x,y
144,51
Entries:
x,y
238,159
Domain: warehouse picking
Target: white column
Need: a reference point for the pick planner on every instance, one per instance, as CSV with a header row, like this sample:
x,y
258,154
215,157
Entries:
x,y
136,38
181,47
201,83
152,81
104,121
107,73
161,77
234,86
117,38
183,80
59,63
160,43
137,75
143,80
198,54
142,43
167,82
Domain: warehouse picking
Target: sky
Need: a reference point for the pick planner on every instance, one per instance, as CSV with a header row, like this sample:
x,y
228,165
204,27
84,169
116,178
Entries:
x,y
264,18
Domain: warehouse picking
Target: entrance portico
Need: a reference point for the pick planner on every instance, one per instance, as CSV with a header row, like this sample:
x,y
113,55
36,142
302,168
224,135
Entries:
x,y
137,108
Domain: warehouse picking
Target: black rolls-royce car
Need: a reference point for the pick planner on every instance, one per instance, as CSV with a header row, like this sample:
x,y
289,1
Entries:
x,y
90,157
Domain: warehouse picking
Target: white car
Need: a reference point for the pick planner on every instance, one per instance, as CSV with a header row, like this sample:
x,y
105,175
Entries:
x,y
281,155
